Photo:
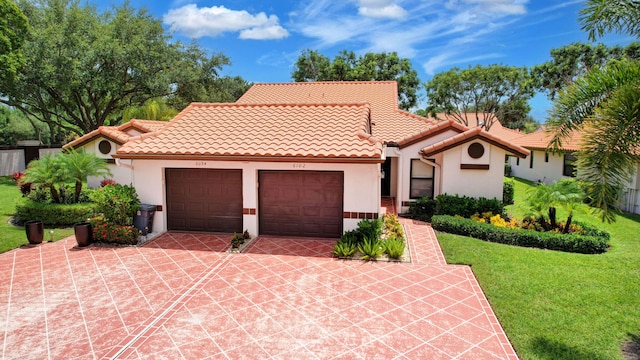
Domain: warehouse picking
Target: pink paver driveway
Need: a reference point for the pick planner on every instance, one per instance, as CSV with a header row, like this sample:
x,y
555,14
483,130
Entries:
x,y
182,296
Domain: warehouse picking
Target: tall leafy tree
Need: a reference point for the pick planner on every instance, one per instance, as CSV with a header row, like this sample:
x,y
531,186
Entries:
x,y
14,29
83,68
346,66
573,61
605,104
481,92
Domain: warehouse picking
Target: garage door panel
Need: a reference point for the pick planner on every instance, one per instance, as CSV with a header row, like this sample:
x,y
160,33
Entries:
x,y
204,200
301,203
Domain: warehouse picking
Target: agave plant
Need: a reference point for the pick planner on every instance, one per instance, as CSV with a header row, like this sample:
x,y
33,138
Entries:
x,y
371,248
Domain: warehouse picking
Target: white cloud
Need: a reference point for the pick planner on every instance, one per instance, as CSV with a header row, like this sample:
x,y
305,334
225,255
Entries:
x,y
381,9
499,7
212,21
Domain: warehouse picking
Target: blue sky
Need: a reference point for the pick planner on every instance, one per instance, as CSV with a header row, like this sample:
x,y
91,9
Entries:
x,y
263,39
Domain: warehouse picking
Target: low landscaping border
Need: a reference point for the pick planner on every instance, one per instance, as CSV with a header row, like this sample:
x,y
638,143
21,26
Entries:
x,y
584,244
54,214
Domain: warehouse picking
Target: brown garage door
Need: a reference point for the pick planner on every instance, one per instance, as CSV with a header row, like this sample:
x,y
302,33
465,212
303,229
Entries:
x,y
301,203
204,200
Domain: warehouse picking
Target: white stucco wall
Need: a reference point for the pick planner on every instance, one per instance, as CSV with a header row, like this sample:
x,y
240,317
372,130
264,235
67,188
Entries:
x,y
546,172
470,182
121,174
361,185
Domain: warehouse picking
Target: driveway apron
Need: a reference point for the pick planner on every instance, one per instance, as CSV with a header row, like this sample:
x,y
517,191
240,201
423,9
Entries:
x,y
182,296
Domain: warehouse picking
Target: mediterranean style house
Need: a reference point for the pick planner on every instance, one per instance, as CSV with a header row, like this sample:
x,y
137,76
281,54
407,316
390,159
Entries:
x,y
301,159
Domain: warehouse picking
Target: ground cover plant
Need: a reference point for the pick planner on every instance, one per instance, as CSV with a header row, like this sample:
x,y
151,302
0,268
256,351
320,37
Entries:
x,y
12,236
557,305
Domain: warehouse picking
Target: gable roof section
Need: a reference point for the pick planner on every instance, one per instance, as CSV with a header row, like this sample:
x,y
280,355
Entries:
x,y
470,135
231,131
117,134
438,128
389,122
540,139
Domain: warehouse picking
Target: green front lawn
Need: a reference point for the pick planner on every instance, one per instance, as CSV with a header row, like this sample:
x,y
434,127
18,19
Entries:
x,y
11,236
556,305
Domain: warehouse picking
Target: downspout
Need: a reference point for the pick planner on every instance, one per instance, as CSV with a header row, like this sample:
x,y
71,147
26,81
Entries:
x,y
436,190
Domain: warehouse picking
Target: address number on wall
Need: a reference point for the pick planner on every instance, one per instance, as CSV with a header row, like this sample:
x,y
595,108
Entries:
x,y
298,166
201,163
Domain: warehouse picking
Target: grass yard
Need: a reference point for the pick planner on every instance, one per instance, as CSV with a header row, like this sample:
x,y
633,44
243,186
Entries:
x,y
556,305
11,236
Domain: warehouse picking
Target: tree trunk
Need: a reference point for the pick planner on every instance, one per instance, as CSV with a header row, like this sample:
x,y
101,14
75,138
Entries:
x,y
76,198
567,225
552,217
54,194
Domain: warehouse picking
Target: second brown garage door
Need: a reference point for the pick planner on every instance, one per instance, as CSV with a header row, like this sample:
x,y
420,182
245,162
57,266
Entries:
x,y
301,203
204,200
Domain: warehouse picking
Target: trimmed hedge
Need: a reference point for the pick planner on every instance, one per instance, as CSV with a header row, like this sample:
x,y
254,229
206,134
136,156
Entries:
x,y
55,214
424,208
584,244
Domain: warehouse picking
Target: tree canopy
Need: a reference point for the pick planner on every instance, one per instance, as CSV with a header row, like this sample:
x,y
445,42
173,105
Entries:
x,y
84,68
481,92
346,66
575,60
14,28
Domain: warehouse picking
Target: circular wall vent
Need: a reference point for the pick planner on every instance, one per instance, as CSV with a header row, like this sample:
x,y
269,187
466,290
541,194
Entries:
x,y
105,147
476,150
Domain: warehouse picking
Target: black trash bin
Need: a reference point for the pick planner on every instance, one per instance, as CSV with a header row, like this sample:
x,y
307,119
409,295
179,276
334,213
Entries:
x,y
143,220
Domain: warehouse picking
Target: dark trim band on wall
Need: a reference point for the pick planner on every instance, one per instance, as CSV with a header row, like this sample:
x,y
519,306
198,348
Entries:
x,y
248,211
359,215
474,167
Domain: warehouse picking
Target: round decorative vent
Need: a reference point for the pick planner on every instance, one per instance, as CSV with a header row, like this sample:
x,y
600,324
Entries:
x,y
105,147
476,150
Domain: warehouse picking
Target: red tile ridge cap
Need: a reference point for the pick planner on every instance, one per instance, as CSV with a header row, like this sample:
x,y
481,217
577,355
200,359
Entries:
x,y
110,132
275,105
325,82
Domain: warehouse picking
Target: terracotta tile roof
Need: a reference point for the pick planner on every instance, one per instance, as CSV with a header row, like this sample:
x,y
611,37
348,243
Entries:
x,y
143,126
267,131
437,128
118,134
540,139
470,135
389,123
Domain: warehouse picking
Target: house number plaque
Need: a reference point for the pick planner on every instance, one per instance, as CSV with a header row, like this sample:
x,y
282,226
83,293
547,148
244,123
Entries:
x,y
298,166
201,163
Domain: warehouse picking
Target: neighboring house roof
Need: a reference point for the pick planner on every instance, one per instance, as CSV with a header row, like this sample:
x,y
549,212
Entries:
x,y
266,131
470,135
118,134
540,139
389,123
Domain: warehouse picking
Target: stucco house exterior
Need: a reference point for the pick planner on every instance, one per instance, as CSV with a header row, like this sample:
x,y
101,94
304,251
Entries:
x,y
306,159
105,141
548,167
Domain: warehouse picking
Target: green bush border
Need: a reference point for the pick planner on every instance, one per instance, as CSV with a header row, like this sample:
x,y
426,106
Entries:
x,y
54,214
584,244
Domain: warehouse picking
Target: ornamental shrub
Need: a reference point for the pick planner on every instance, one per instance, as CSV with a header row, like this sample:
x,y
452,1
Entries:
x,y
422,209
508,192
55,214
118,203
585,244
107,232
466,206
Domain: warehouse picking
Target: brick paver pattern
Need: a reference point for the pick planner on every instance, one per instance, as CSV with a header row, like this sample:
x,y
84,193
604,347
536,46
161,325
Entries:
x,y
182,296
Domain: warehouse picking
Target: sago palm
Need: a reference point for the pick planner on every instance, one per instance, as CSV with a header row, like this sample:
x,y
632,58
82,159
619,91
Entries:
x,y
48,172
80,164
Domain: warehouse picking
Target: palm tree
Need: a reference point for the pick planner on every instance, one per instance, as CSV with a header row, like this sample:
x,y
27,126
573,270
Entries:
x,y
80,164
605,105
153,109
568,195
47,172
